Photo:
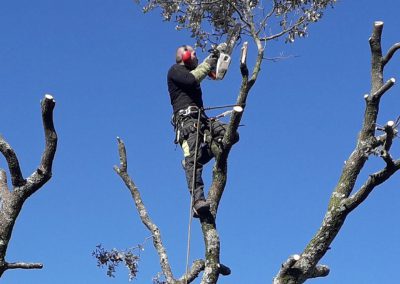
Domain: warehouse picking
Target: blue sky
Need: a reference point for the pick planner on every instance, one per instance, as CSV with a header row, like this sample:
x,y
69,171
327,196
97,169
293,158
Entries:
x,y
105,63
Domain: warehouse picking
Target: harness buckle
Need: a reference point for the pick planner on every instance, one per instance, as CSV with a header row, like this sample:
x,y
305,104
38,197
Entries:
x,y
189,110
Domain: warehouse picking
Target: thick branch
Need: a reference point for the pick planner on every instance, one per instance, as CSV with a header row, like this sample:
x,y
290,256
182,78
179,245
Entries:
x,y
210,234
374,180
383,89
390,130
390,53
44,170
3,182
197,267
12,161
12,202
376,56
144,216
286,266
23,265
340,204
320,271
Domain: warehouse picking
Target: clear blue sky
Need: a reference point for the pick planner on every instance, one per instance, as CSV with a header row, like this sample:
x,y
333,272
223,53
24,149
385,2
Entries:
x,y
105,63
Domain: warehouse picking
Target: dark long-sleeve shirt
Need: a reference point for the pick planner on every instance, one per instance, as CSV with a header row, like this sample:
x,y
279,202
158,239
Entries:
x,y
183,88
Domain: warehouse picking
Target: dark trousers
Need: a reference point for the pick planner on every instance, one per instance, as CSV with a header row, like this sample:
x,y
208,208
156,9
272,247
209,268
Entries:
x,y
186,136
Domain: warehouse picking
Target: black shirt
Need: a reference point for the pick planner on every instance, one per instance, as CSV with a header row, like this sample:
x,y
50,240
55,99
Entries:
x,y
183,88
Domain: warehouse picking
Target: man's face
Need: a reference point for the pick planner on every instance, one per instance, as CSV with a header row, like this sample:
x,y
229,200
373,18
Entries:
x,y
192,64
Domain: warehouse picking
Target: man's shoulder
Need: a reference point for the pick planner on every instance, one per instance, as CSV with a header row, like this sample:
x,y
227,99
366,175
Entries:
x,y
178,67
177,70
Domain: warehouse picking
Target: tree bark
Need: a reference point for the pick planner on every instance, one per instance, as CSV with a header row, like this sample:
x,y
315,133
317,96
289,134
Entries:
x,y
11,201
300,269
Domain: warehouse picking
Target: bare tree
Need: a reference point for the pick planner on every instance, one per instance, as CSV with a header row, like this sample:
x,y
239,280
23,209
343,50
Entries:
x,y
12,200
344,199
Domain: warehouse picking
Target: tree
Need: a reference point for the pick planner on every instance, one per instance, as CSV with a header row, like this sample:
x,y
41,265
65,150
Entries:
x,y
344,199
210,21
11,201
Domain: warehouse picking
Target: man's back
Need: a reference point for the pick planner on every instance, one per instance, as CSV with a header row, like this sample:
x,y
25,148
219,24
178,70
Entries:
x,y
184,90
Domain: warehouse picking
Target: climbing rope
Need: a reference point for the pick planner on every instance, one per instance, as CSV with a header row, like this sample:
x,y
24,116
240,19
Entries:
x,y
191,194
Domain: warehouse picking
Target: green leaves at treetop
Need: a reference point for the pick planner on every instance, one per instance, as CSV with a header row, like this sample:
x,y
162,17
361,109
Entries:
x,y
209,20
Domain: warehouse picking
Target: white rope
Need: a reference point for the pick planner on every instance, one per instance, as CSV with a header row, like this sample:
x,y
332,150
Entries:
x,y
191,195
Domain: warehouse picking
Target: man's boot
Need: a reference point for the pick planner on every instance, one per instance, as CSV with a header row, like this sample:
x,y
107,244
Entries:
x,y
200,208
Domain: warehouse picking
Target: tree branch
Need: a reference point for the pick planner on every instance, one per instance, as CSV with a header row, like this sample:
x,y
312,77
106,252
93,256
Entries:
x,y
12,202
383,89
390,53
23,265
144,216
197,267
320,271
374,180
263,23
286,266
44,171
340,204
285,31
12,161
239,13
3,182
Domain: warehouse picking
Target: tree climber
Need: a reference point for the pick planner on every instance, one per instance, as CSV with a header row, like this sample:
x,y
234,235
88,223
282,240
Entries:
x,y
183,80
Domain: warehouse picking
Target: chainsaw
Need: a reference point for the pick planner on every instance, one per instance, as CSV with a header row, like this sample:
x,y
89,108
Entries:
x,y
223,52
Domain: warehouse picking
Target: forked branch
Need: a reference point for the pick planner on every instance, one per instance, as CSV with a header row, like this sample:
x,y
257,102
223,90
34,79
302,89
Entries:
x,y
341,203
149,224
12,201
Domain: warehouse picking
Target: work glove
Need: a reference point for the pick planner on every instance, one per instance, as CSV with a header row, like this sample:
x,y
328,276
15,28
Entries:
x,y
212,60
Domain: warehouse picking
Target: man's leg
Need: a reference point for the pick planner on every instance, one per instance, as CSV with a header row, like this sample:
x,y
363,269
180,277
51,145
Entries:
x,y
189,147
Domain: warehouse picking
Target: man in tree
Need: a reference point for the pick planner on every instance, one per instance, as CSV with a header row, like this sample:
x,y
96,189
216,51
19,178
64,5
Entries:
x,y
184,79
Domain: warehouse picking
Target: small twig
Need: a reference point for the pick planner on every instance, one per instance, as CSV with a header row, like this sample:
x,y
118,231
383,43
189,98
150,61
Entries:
x,y
283,32
264,21
277,58
239,13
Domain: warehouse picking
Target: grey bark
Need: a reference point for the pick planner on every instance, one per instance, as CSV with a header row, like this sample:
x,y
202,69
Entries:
x,y
198,265
12,200
343,201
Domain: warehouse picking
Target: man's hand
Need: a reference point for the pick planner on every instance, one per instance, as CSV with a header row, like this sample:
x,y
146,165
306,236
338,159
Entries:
x,y
212,60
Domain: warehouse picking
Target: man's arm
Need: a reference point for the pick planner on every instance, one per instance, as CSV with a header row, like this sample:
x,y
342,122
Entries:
x,y
201,71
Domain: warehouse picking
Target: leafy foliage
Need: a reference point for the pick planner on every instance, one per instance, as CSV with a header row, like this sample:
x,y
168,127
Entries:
x,y
211,19
111,259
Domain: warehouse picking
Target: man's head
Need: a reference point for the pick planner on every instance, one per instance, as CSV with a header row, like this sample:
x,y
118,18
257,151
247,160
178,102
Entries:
x,y
186,55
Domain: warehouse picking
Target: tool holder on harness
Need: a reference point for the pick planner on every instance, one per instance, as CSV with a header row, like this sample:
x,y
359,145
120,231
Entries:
x,y
185,122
